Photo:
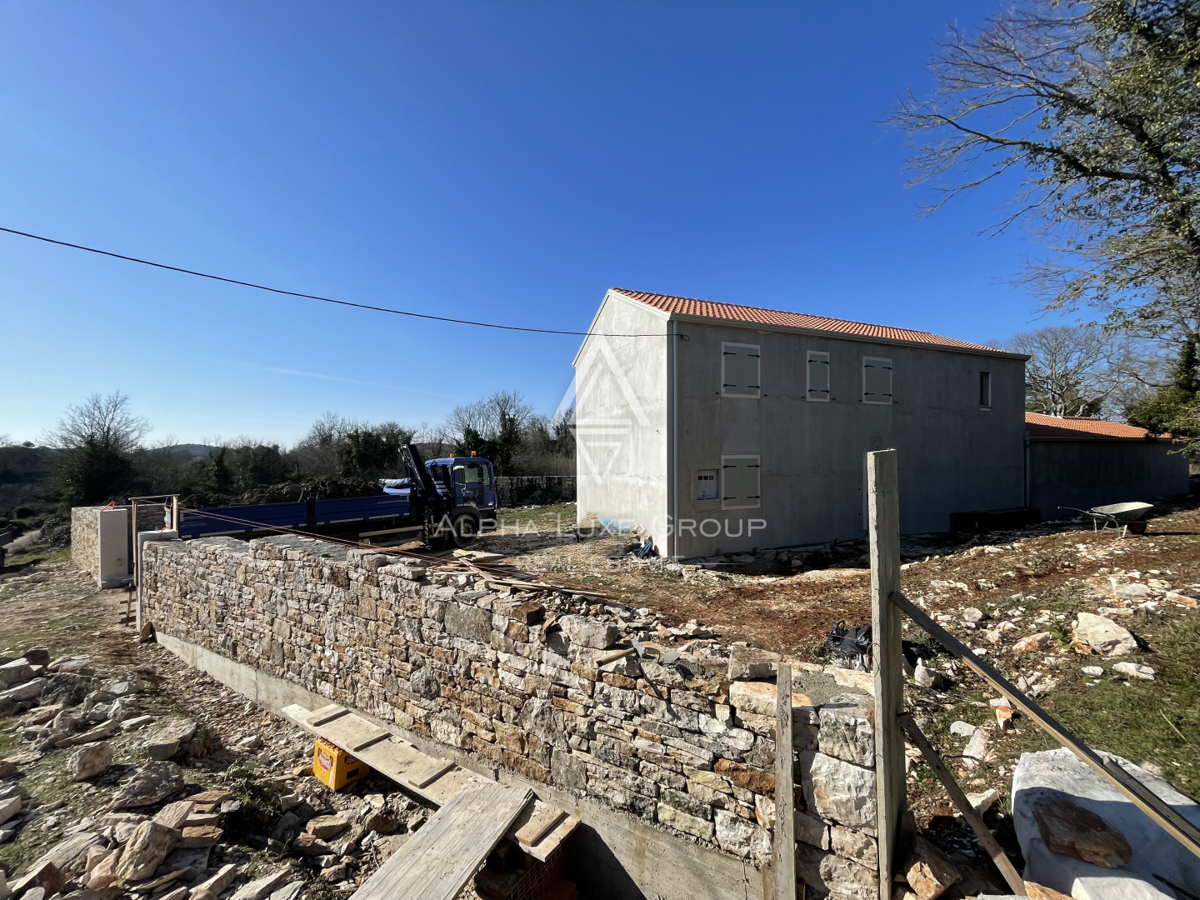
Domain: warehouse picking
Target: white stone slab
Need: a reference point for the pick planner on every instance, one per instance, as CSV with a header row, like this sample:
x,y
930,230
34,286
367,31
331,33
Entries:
x,y
1058,774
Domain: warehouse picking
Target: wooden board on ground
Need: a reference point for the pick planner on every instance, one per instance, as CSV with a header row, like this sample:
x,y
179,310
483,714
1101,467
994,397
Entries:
x,y
431,779
440,858
541,828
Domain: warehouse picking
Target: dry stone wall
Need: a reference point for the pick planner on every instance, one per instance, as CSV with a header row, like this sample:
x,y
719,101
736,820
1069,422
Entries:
x,y
680,739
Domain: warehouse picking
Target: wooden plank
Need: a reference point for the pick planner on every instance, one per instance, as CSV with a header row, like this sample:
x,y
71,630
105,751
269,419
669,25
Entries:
x,y
883,506
785,789
543,848
439,859
1003,863
539,819
353,733
446,786
1141,796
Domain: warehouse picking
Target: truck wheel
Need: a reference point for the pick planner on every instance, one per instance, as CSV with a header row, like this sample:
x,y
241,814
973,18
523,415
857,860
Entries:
x,y
465,530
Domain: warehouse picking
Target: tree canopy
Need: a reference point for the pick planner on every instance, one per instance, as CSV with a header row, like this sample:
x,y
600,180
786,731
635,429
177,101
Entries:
x,y
1095,108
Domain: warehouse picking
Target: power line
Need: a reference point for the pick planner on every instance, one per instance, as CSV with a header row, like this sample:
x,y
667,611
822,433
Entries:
x,y
274,290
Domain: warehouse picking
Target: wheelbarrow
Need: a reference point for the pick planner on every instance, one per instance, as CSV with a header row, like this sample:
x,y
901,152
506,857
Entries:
x,y
1125,516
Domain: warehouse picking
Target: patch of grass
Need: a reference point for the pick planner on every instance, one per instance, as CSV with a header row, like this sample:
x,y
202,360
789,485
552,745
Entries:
x,y
1156,721
37,556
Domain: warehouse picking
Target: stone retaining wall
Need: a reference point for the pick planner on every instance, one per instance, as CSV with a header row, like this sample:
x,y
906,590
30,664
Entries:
x,y
514,678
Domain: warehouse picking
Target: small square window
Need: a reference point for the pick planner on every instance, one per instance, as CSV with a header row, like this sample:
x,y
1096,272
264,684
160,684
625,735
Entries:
x,y
877,380
706,484
985,390
818,376
740,370
740,482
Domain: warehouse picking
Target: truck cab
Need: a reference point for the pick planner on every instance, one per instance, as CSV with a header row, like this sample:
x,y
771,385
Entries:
x,y
468,483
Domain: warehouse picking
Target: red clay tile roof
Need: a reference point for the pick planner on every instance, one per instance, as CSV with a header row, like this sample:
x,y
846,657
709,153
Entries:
x,y
756,315
1076,426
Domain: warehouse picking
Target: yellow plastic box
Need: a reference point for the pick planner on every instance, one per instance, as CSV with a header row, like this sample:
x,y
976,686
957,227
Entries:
x,y
335,767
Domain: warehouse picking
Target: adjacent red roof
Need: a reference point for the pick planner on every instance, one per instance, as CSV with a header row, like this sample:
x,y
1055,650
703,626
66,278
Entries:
x,y
1077,426
758,316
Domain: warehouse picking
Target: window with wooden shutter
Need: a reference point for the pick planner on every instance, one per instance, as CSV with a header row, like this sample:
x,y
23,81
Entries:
x,y
740,482
740,370
818,376
877,380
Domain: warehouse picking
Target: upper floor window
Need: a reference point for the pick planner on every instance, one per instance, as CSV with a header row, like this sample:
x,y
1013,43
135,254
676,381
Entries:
x,y
877,380
740,370
985,390
818,376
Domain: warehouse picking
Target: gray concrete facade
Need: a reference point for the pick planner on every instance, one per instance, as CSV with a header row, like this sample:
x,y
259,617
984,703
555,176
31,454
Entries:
x,y
1088,472
955,453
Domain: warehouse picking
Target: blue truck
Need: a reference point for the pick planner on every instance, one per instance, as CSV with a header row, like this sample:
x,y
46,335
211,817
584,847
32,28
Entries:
x,y
445,502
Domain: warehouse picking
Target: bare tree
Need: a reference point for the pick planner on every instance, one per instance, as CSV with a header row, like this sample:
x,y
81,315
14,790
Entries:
x,y
98,437
1068,372
1095,106
105,422
1084,371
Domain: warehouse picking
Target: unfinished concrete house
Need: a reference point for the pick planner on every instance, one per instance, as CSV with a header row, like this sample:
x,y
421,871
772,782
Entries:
x,y
718,428
1077,463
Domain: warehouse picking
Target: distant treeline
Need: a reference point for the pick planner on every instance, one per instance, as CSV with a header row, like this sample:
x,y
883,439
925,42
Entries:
x,y
100,454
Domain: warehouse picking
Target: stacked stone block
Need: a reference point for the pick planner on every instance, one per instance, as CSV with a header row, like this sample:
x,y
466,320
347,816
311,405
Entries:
x,y
516,679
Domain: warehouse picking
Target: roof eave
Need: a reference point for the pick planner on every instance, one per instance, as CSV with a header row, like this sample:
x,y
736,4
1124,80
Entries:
x,y
833,335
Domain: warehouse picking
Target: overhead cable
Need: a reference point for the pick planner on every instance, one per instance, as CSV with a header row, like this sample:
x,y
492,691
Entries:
x,y
275,290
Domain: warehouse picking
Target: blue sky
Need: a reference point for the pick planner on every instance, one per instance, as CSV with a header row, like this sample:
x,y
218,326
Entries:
x,y
504,161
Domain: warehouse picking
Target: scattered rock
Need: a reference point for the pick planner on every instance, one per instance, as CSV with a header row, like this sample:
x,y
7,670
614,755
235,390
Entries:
x,y
148,847
926,677
1134,670
152,782
200,836
1071,830
1096,634
1093,671
984,800
170,739
927,871
9,807
67,688
326,827
89,761
972,615
261,887
1040,641
962,729
976,750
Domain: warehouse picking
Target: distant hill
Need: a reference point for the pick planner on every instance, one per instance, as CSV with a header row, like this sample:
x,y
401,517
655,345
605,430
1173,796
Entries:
x,y
192,449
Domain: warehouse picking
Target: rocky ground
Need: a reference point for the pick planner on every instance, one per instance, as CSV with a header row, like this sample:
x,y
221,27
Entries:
x,y
1102,628
127,774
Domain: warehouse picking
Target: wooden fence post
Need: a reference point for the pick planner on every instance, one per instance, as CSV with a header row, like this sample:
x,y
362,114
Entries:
x,y
884,512
785,798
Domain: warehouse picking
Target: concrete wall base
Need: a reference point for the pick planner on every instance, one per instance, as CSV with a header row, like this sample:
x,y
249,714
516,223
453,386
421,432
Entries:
x,y
610,856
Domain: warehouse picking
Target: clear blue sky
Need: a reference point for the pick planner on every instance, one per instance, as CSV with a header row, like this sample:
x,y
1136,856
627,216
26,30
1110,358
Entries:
x,y
505,161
